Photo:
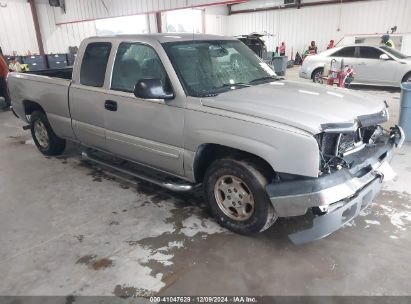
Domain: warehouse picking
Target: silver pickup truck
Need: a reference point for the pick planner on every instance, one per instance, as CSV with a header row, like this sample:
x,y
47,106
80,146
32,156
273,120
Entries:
x,y
204,110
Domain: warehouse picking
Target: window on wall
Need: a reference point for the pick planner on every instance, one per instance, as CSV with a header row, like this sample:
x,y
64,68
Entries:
x,y
183,21
136,24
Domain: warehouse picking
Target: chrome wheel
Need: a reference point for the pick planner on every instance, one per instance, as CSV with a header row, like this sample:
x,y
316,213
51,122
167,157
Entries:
x,y
40,132
234,198
318,77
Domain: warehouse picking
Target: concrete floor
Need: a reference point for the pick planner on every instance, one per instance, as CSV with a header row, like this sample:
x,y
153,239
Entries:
x,y
71,229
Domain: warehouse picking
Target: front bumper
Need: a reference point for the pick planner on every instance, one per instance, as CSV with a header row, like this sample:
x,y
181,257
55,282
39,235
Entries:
x,y
304,73
339,196
307,69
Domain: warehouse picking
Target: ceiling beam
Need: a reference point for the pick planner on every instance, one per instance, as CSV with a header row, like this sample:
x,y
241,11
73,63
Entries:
x,y
36,26
297,5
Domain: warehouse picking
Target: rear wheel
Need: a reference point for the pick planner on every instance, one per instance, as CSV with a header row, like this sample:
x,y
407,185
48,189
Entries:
x,y
44,137
317,75
235,192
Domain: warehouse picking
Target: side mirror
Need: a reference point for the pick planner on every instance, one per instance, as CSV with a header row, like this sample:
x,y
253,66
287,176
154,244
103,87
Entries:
x,y
151,89
384,57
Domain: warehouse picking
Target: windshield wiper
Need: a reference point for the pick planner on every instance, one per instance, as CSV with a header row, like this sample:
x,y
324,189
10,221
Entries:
x,y
273,77
237,84
205,94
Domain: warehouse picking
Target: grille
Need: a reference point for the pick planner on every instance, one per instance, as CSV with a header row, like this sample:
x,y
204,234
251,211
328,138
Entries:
x,y
336,144
347,142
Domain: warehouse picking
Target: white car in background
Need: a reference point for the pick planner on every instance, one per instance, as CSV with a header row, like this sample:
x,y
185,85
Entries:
x,y
373,65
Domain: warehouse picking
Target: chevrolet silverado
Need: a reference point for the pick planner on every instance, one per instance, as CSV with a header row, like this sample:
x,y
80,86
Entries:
x,y
187,110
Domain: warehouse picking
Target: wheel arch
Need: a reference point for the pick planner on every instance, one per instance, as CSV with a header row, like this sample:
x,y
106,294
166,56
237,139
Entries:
x,y
31,106
406,75
315,70
207,153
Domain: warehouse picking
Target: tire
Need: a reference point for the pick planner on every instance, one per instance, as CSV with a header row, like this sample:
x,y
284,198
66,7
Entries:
x,y
316,76
226,183
44,137
407,77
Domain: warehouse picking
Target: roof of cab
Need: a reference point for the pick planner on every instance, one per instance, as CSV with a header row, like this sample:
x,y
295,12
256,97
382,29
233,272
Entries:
x,y
166,37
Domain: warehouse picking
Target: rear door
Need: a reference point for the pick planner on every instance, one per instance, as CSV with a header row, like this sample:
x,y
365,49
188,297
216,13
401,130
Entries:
x,y
143,130
347,54
371,69
87,95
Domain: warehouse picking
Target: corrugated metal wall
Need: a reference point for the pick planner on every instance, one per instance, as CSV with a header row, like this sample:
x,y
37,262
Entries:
x,y
78,10
59,30
17,28
57,38
297,27
216,24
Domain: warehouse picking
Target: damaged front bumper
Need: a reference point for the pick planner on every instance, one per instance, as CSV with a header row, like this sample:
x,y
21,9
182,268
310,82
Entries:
x,y
338,197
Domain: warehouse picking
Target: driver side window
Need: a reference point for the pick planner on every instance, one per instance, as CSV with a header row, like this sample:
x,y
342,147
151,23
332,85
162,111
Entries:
x,y
370,52
135,62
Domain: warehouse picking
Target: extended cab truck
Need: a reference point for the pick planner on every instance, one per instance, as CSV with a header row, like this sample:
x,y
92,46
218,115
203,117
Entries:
x,y
200,109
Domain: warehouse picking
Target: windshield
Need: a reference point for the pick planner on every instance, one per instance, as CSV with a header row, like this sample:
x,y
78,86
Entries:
x,y
393,52
212,67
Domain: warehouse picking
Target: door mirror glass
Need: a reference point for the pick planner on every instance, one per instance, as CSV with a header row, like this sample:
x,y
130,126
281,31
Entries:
x,y
384,57
151,89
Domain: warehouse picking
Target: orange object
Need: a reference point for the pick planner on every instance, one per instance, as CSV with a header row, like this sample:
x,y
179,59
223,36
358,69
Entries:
x,y
4,69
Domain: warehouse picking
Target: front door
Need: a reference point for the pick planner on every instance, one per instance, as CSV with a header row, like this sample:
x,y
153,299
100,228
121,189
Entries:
x,y
142,130
371,69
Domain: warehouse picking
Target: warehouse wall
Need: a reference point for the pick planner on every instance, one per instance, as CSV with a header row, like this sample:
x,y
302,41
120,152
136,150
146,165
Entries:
x,y
216,24
60,30
16,27
57,38
80,10
297,27
17,33
216,20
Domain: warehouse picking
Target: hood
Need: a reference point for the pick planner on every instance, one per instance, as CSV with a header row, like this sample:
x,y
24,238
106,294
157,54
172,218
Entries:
x,y
304,106
405,60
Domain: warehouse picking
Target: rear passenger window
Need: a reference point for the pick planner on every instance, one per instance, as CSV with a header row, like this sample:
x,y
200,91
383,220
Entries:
x,y
345,52
370,52
93,67
135,62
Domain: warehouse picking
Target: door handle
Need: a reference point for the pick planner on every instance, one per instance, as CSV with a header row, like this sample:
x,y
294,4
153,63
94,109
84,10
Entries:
x,y
362,63
110,105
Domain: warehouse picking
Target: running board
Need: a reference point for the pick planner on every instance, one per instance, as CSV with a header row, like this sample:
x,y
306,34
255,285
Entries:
x,y
160,180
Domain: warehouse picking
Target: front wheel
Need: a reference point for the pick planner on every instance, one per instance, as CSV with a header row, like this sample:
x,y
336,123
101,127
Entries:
x,y
43,135
407,77
317,76
235,192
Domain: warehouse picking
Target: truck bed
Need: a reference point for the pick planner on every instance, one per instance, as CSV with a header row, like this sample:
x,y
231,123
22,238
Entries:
x,y
50,90
64,73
